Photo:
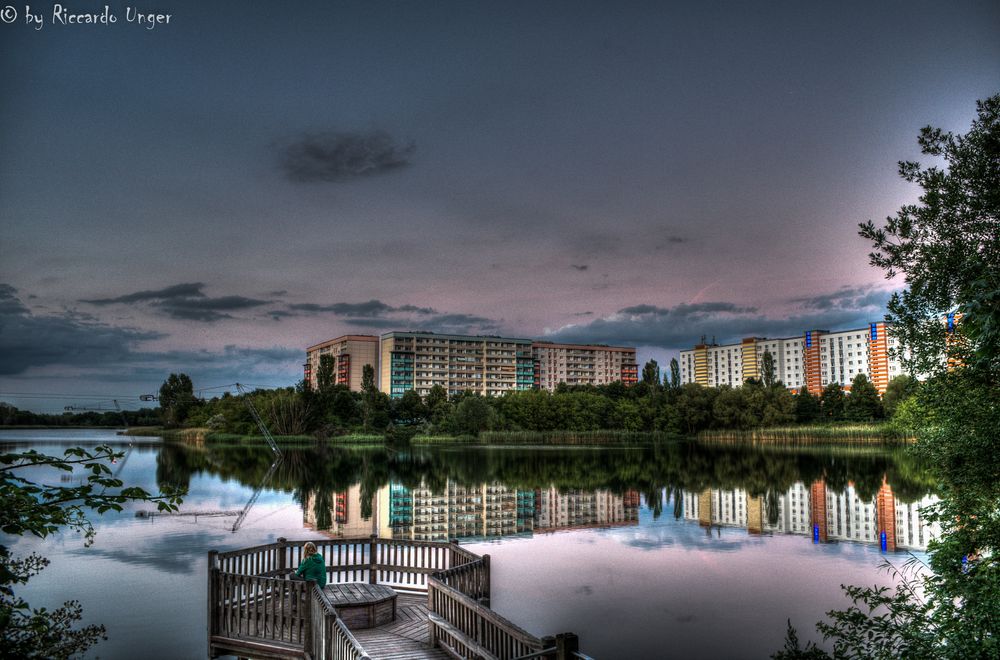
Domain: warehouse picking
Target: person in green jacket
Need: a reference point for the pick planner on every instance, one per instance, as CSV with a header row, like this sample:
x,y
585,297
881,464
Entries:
x,y
312,567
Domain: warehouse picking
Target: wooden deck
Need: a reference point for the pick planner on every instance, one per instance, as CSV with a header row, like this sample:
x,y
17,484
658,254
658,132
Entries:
x,y
407,638
442,606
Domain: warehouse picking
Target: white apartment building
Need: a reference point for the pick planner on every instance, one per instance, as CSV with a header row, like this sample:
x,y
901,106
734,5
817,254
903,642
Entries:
x,y
817,358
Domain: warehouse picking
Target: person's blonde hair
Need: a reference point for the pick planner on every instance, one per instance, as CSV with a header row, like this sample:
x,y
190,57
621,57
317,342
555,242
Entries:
x,y
309,549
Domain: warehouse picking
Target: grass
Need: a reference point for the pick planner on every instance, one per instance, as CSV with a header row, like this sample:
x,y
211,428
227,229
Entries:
x,y
357,439
495,438
810,434
208,435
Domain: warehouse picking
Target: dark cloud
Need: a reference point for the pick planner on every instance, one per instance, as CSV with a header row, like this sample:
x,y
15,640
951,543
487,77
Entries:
x,y
377,315
450,323
580,266
68,339
861,297
686,311
462,321
186,302
10,304
188,290
682,326
343,156
206,309
372,308
28,340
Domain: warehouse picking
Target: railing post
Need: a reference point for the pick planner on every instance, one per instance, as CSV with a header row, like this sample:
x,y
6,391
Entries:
x,y
213,598
372,559
566,645
282,559
486,579
307,633
430,608
549,642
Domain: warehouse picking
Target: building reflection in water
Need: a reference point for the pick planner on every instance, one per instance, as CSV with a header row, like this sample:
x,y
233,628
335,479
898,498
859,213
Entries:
x,y
818,512
493,510
469,512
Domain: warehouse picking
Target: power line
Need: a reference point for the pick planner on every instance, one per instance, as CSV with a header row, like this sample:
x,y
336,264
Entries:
x,y
54,395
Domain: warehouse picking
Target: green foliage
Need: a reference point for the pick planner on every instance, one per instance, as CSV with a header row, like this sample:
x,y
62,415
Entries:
x,y
176,399
409,409
807,407
675,374
767,370
374,404
948,248
41,509
651,374
897,391
832,402
472,415
39,633
325,379
29,507
12,416
863,403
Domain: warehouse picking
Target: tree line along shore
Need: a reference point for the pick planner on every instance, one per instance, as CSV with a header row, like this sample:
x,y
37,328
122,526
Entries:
x,y
650,411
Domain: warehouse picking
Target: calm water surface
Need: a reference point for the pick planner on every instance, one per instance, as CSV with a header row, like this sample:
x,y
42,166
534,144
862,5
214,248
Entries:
x,y
673,551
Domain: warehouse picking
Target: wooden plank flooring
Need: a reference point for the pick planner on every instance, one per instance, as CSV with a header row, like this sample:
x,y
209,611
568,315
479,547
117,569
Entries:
x,y
406,638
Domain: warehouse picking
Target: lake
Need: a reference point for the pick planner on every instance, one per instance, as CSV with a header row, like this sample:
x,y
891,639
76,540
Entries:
x,y
680,550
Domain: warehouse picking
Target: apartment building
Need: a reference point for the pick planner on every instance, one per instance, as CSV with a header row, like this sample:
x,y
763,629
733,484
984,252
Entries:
x,y
817,358
582,364
350,354
488,365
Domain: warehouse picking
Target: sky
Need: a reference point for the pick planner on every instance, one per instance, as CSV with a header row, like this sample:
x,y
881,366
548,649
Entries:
x,y
216,193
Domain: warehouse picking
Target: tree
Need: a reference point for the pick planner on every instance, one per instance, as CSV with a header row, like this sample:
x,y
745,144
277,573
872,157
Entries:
x,y
325,379
730,411
832,402
410,409
176,399
898,390
374,404
675,374
436,396
651,374
863,403
767,370
29,507
473,415
947,246
807,407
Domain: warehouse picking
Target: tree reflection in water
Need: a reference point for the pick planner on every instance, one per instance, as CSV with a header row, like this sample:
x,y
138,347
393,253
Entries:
x,y
321,476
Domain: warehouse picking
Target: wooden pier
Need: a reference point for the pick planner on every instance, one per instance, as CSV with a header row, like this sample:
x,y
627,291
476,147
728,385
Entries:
x,y
441,609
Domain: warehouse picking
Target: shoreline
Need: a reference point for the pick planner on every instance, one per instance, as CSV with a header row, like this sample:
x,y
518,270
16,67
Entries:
x,y
870,435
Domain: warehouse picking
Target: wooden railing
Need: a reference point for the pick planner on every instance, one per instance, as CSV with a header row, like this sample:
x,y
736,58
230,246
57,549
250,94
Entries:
x,y
253,607
331,639
472,579
461,619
